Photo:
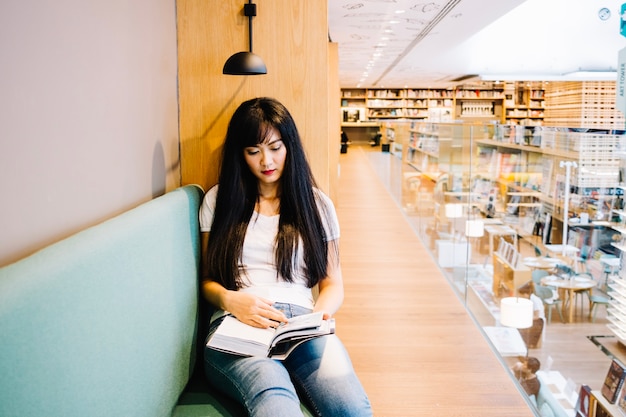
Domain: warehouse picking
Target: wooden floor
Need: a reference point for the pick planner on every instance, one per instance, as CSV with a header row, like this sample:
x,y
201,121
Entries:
x,y
414,346
567,348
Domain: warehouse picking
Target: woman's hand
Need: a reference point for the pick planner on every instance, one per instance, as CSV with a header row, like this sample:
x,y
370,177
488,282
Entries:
x,y
253,310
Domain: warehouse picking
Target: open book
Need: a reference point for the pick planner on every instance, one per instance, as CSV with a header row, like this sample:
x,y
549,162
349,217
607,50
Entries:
x,y
236,337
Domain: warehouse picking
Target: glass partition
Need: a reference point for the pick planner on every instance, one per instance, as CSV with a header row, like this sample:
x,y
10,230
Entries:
x,y
509,211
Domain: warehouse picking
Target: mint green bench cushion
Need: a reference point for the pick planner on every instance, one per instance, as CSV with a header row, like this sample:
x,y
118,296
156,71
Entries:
x,y
205,404
103,323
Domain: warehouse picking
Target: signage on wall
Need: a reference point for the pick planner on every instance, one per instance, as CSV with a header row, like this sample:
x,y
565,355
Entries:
x,y
620,91
622,20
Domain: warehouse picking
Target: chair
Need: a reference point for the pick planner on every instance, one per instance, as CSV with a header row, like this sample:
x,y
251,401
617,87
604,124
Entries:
x,y
563,271
608,270
538,274
582,258
547,296
566,272
597,297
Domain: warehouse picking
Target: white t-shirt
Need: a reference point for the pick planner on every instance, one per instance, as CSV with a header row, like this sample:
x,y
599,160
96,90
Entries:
x,y
261,276
538,306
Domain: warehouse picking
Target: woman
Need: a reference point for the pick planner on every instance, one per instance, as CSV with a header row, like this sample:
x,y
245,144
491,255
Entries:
x,y
532,335
274,237
525,370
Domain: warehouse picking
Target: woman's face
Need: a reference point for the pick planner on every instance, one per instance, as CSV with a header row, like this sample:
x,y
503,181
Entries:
x,y
267,160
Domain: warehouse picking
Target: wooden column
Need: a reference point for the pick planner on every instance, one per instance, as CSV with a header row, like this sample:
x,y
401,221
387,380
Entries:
x,y
292,38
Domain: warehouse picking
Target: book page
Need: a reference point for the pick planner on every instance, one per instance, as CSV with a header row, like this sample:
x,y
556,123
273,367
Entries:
x,y
305,321
232,327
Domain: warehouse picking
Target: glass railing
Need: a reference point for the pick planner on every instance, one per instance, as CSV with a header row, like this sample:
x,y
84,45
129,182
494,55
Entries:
x,y
490,202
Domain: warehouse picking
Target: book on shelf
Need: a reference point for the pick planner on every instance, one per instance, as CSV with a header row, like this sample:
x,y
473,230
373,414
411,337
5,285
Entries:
x,y
234,336
613,382
584,402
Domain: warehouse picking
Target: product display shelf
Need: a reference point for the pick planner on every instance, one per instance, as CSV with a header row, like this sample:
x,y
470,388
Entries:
x,y
524,166
524,103
440,148
588,104
601,407
423,149
617,308
575,104
386,104
593,178
435,104
508,275
617,282
479,103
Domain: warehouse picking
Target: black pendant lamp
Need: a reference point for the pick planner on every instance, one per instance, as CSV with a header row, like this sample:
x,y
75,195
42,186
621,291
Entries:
x,y
246,63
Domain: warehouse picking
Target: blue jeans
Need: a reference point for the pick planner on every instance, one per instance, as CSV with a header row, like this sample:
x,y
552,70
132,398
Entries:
x,y
318,372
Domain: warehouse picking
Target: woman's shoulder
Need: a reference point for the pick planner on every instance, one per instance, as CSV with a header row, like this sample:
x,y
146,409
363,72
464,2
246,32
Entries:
x,y
207,209
213,190
321,197
211,195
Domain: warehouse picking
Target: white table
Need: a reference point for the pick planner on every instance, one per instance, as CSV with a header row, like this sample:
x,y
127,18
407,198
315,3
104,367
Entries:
x,y
542,262
567,287
559,249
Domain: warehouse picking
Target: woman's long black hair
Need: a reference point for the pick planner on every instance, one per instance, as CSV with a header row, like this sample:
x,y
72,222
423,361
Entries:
x,y
238,194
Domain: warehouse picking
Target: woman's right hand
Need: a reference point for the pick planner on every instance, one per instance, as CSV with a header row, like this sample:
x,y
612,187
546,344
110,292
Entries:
x,y
253,310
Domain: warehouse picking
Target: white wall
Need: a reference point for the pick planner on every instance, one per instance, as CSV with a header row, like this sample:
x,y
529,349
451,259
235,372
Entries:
x,y
88,114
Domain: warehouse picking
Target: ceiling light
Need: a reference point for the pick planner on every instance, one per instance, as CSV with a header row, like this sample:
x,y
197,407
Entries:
x,y
581,75
609,75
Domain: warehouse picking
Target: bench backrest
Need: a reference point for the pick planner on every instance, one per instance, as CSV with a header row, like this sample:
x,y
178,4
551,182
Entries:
x,y
104,322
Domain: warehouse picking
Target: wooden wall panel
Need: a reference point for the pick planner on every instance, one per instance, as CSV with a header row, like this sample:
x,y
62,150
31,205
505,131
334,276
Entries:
x,y
334,113
291,37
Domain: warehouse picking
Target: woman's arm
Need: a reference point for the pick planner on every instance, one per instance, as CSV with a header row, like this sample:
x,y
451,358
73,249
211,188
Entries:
x,y
331,288
248,308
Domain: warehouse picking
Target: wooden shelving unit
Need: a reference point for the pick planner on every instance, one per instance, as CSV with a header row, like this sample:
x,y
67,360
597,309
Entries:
x,y
520,167
589,104
601,407
524,103
479,103
507,278
559,104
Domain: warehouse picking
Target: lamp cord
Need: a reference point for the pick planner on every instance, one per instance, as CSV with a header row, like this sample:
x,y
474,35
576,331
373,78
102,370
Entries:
x,y
249,10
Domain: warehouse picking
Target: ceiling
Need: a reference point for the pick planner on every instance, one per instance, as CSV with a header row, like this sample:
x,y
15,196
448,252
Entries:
x,y
438,43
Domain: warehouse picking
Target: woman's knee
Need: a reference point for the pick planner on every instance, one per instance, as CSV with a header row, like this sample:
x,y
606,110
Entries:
x,y
261,385
325,376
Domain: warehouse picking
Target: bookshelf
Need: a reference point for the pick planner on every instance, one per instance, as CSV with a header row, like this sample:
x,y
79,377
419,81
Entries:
x,y
601,407
479,102
524,103
379,104
521,165
508,276
589,104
